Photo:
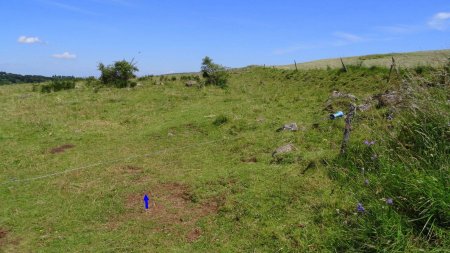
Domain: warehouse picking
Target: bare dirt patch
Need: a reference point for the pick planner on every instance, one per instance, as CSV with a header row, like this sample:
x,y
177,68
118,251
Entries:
x,y
130,169
3,239
173,203
249,160
194,235
61,148
3,233
172,206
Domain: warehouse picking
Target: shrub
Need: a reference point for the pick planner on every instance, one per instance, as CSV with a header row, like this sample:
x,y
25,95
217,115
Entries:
x,y
119,74
91,81
213,73
190,78
146,78
57,84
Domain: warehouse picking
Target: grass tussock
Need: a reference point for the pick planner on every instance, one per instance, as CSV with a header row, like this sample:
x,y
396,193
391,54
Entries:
x,y
400,177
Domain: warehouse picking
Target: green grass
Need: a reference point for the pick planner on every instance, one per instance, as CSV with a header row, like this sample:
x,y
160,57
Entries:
x,y
202,155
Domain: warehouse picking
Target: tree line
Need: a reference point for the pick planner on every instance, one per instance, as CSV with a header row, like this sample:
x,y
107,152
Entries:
x,y
9,78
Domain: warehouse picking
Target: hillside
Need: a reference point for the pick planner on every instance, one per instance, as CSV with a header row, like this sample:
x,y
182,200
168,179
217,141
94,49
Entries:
x,y
404,60
76,165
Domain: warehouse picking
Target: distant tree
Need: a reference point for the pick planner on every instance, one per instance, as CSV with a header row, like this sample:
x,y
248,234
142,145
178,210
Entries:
x,y
119,74
213,73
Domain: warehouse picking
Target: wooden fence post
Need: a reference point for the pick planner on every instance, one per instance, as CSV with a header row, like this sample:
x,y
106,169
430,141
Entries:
x,y
348,128
343,66
393,66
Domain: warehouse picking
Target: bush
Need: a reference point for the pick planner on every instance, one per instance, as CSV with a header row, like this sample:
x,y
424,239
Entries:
x,y
214,74
57,84
91,81
119,74
146,78
190,78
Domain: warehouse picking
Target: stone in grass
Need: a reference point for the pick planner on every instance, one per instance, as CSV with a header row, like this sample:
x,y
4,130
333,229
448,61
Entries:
x,y
364,107
283,149
337,94
288,127
389,98
190,83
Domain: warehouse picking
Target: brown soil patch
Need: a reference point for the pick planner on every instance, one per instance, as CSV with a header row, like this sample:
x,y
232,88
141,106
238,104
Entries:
x,y
3,233
249,160
61,148
173,203
3,240
131,169
194,235
172,206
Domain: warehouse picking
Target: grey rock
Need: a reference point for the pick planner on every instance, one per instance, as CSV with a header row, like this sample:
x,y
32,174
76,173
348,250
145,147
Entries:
x,y
389,98
288,127
364,107
284,149
337,94
190,83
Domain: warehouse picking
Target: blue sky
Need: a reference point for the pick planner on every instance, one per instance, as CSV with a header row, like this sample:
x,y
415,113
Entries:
x,y
71,37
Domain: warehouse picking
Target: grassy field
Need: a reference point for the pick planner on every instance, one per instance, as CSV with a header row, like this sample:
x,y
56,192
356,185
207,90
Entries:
x,y
76,165
403,60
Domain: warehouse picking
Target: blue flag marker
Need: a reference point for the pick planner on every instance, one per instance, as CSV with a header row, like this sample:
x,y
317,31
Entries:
x,y
146,201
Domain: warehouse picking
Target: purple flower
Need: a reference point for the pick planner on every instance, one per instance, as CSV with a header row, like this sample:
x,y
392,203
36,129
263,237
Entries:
x,y
366,182
369,143
389,201
360,208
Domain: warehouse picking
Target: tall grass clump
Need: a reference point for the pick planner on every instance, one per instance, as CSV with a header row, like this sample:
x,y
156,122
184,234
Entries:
x,y
401,178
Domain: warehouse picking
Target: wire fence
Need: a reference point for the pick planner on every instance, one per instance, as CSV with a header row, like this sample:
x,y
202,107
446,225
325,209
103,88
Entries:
x,y
105,162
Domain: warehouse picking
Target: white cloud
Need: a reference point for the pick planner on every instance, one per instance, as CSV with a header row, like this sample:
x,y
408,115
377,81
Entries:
x,y
28,40
440,21
65,55
348,37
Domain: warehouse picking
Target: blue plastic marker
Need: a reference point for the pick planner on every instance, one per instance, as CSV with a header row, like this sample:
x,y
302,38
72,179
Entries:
x,y
146,201
336,115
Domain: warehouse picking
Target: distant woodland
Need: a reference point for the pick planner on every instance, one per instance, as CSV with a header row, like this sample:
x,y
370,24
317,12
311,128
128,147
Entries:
x,y
8,78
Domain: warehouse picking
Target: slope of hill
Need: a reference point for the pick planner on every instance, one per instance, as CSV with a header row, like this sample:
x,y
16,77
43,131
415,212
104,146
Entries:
x,y
405,60
77,164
